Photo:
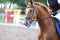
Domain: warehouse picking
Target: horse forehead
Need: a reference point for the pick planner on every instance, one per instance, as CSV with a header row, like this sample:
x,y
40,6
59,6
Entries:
x,y
28,9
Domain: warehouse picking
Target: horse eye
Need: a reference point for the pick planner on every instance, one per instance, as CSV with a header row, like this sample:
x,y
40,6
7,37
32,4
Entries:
x,y
31,11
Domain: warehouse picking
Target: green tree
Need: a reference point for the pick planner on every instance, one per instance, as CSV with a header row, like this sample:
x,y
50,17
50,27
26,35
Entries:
x,y
3,1
42,1
18,2
22,2
0,1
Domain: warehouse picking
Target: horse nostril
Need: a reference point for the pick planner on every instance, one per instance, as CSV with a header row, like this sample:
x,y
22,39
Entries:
x,y
27,24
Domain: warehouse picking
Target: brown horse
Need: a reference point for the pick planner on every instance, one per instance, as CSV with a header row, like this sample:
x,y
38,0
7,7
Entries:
x,y
38,11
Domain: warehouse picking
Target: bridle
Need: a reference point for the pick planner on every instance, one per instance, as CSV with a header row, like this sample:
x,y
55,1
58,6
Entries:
x,y
33,14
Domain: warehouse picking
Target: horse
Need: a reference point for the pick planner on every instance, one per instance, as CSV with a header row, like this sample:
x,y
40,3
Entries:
x,y
40,12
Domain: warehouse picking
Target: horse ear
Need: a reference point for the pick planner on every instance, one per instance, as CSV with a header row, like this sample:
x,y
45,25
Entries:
x,y
26,3
31,1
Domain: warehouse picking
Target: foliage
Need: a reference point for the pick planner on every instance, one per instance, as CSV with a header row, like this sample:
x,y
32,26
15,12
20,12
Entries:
x,y
19,2
42,1
22,2
3,1
0,1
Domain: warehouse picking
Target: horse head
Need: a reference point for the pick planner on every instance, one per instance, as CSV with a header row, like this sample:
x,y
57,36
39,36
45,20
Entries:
x,y
30,13
34,12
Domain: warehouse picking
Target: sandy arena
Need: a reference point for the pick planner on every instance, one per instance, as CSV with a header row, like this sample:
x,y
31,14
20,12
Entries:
x,y
9,32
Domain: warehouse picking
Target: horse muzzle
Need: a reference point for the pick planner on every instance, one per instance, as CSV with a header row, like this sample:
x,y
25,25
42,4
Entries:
x,y
28,23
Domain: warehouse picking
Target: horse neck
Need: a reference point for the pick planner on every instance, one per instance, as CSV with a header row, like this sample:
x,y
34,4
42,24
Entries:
x,y
45,23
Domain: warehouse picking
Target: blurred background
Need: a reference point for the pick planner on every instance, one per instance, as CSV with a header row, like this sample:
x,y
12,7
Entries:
x,y
12,14
12,11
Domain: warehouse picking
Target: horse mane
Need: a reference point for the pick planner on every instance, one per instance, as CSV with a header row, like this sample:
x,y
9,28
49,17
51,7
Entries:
x,y
42,5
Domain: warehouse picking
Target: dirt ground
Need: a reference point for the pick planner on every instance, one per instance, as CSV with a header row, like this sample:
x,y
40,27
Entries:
x,y
17,33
